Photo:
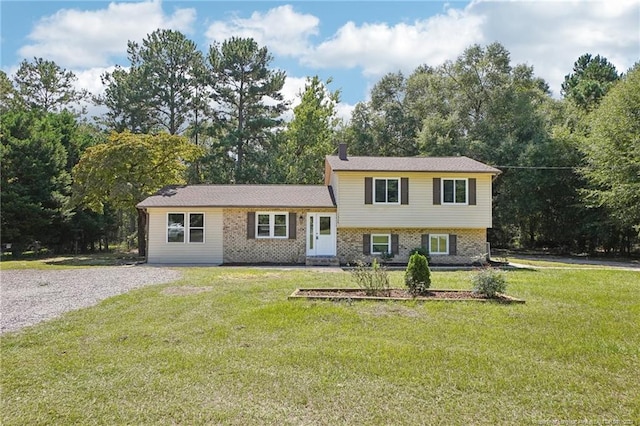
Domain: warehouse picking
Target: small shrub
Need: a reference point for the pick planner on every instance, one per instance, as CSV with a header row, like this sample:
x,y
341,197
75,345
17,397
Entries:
x,y
419,250
374,279
417,277
386,257
489,282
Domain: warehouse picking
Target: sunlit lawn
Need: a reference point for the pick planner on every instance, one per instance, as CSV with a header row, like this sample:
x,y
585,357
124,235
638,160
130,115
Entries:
x,y
225,346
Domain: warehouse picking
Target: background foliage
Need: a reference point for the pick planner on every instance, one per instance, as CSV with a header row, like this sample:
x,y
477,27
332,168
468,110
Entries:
x,y
570,166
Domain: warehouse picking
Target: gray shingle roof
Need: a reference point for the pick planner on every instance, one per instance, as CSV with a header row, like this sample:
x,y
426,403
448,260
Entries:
x,y
274,196
410,164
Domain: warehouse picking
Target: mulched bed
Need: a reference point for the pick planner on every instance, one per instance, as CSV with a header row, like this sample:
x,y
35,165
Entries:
x,y
397,294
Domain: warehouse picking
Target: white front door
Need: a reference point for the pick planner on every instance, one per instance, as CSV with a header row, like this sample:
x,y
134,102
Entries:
x,y
321,234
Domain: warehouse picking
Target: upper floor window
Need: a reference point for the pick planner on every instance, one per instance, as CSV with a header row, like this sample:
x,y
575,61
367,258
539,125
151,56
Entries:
x,y
272,225
386,191
178,227
454,191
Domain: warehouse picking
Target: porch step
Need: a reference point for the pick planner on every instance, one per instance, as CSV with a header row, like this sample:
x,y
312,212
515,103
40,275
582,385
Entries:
x,y
322,261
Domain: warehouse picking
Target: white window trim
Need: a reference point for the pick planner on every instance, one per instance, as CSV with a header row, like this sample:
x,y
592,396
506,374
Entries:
x,y
187,227
373,196
388,243
166,228
454,203
272,225
438,253
203,227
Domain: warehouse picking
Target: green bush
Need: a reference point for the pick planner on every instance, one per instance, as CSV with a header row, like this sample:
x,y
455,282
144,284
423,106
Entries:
x,y
489,282
374,279
417,277
421,250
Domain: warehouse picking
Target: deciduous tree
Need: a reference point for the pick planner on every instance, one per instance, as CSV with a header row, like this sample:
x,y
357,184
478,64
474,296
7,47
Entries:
x,y
128,168
613,152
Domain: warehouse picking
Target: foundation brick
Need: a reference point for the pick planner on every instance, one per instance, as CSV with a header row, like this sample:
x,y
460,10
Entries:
x,y
471,244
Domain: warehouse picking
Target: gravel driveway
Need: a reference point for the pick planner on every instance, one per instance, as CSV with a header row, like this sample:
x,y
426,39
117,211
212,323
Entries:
x,y
31,296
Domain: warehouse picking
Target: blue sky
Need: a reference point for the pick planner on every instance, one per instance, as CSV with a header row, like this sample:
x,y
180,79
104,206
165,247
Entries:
x,y
354,42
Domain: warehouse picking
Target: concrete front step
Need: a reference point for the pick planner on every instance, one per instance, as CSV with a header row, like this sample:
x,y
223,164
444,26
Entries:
x,y
322,261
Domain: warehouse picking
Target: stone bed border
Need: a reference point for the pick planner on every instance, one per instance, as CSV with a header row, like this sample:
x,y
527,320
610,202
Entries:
x,y
298,293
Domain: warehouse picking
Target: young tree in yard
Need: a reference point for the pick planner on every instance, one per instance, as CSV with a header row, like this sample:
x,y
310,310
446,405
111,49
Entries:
x,y
127,169
44,86
247,94
309,136
613,153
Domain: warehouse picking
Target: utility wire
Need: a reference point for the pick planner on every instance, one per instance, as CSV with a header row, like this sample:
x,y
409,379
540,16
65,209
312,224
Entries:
x,y
536,167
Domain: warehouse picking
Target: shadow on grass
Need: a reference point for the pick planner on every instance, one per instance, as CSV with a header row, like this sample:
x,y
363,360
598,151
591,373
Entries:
x,y
89,259
100,259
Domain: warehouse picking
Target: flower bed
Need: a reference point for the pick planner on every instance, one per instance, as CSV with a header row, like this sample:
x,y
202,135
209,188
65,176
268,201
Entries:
x,y
398,294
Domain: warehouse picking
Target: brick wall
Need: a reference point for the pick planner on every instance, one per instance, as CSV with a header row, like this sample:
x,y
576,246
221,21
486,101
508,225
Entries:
x,y
240,249
470,244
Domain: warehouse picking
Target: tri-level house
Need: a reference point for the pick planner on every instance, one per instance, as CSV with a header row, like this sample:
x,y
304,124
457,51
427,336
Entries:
x,y
368,207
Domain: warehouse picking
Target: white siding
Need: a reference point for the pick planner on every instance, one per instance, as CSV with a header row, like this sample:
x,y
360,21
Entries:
x,y
420,212
160,251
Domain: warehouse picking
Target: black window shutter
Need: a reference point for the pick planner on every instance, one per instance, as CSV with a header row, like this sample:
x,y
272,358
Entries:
x,y
368,190
394,244
436,191
453,244
472,191
292,225
366,244
404,190
251,225
425,242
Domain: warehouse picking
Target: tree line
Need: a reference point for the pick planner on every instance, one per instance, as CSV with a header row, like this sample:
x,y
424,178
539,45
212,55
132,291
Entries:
x,y
175,114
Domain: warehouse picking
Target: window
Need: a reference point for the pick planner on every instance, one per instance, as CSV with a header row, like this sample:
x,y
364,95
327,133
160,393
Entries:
x,y
386,191
454,191
196,227
380,244
272,225
439,244
177,229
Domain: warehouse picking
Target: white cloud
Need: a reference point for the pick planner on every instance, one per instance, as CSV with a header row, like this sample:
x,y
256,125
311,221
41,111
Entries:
x,y
552,35
283,30
382,48
292,90
83,39
344,111
90,79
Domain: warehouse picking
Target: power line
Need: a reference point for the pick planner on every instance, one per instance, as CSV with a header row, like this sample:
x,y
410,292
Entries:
x,y
536,167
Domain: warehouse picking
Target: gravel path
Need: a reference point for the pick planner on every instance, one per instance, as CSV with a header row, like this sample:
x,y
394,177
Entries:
x,y
31,296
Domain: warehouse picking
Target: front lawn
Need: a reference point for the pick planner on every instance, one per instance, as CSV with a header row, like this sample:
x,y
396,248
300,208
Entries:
x,y
225,346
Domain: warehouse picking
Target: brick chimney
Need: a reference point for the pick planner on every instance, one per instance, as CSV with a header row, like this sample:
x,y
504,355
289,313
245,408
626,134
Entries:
x,y
342,151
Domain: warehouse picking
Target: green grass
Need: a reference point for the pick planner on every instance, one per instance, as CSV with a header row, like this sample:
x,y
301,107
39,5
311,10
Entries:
x,y
238,352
